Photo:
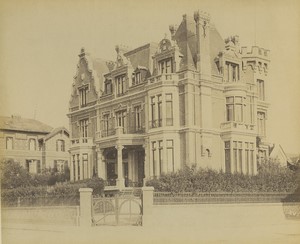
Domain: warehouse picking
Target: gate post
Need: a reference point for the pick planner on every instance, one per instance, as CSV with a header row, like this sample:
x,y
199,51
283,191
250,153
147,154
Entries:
x,y
147,204
86,207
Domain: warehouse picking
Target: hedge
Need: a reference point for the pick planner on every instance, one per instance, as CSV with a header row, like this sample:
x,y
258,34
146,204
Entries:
x,y
63,189
191,179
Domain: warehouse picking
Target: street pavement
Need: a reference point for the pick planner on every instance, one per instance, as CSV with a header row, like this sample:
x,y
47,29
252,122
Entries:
x,y
232,223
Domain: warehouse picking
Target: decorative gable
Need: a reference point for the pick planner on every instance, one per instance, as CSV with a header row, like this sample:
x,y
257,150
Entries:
x,y
84,91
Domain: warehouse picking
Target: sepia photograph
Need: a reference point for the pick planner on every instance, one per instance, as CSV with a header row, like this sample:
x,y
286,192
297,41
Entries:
x,y
150,121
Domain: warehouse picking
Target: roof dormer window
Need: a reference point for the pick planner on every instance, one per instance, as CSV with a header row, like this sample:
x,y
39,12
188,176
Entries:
x,y
120,84
83,95
165,66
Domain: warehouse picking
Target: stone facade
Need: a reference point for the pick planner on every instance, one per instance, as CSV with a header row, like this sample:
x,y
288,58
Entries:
x,y
191,99
34,145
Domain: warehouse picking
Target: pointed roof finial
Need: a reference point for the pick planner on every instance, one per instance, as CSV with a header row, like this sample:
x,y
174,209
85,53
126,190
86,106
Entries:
x,y
82,52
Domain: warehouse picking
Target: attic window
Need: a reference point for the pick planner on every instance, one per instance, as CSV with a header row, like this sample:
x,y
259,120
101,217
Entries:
x,y
165,66
136,78
233,72
83,95
108,87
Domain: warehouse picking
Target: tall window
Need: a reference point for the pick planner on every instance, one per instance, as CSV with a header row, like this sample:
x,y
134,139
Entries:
x,y
121,118
154,158
159,110
160,156
32,144
138,118
235,156
120,83
170,156
9,143
252,158
83,124
165,66
169,109
105,125
234,108
60,145
85,165
108,87
247,158
78,167
74,166
136,78
227,157
261,123
232,71
83,96
153,116
240,156
260,89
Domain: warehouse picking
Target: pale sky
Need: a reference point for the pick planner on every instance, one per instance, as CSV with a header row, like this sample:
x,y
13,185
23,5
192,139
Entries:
x,y
40,41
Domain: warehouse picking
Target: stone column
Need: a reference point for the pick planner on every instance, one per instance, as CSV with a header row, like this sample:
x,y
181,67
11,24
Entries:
x,y
71,169
147,204
120,180
101,164
146,162
85,207
76,169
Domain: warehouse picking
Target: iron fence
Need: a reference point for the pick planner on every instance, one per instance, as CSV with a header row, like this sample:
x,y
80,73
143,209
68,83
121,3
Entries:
x,y
168,198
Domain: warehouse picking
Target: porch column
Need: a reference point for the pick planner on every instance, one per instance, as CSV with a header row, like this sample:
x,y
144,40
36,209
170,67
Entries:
x,y
81,167
76,169
101,164
146,163
72,169
120,180
131,165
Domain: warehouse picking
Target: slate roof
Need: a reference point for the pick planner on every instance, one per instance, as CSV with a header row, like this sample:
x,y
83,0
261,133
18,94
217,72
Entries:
x,y
187,41
17,123
99,68
142,56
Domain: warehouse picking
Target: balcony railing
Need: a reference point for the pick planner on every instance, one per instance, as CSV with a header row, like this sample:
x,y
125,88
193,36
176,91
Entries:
x,y
82,140
120,130
155,123
164,77
237,125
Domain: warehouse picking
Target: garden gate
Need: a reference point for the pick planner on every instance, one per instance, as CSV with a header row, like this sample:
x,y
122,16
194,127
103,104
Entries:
x,y
123,208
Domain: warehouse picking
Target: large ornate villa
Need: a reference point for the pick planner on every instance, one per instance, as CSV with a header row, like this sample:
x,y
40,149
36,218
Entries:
x,y
193,98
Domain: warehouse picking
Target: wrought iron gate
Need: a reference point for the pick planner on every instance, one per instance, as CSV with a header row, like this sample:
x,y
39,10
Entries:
x,y
124,208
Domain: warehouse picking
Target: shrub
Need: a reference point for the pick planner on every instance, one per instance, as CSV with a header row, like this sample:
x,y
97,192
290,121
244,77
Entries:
x,y
13,175
191,179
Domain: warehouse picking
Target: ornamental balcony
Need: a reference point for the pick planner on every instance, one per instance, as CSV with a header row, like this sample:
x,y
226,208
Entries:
x,y
119,131
237,126
164,78
82,141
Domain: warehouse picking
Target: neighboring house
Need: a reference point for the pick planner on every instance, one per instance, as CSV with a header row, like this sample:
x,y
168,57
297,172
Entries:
x,y
278,155
190,99
33,144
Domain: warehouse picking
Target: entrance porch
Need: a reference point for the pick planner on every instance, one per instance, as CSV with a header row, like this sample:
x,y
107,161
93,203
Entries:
x,y
122,166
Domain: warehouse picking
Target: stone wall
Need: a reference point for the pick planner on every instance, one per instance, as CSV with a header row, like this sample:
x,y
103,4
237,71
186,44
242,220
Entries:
x,y
53,215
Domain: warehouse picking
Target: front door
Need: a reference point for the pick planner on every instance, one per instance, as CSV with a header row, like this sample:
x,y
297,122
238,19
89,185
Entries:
x,y
111,173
